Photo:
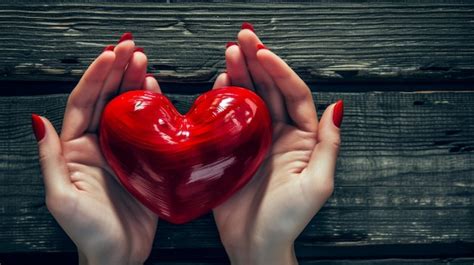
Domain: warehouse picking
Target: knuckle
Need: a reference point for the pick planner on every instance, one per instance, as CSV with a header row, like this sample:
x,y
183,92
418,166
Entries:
x,y
325,187
299,96
43,159
330,140
47,160
336,142
80,102
59,202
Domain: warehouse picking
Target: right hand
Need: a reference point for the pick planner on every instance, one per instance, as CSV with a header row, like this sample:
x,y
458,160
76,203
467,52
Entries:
x,y
259,223
106,223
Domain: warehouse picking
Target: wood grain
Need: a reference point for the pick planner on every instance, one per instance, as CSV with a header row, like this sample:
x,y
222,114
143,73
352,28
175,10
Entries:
x,y
323,41
71,258
404,180
351,262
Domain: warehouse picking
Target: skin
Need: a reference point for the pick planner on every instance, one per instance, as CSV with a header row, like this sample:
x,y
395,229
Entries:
x,y
105,222
259,224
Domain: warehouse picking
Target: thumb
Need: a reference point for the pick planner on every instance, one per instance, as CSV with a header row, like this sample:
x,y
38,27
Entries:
x,y
322,164
53,165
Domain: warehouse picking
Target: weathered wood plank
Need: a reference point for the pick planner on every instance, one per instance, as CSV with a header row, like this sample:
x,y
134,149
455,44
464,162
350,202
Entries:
x,y
405,178
71,258
324,42
351,262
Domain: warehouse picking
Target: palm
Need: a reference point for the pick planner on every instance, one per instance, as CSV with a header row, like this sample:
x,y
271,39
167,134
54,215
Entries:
x,y
274,194
100,205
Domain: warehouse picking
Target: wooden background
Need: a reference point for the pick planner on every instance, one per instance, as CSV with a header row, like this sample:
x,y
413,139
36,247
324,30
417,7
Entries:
x,y
405,69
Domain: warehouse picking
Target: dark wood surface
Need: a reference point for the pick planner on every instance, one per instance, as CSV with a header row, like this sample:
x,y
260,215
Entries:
x,y
405,69
70,258
325,42
404,181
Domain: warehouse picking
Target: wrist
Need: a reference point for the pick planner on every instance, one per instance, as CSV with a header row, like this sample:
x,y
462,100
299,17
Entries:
x,y
104,260
259,255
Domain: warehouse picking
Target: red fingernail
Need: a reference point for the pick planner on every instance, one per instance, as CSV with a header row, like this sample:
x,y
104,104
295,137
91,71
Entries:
x,y
109,48
338,113
139,49
147,75
126,36
261,46
248,26
230,43
38,127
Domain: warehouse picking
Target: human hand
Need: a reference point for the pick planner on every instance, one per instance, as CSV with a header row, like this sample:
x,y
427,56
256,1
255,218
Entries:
x,y
105,222
258,225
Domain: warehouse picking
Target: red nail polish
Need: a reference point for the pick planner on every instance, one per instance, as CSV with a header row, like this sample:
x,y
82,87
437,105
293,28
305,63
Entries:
x,y
126,36
261,46
38,127
230,43
147,75
139,49
338,113
248,26
109,48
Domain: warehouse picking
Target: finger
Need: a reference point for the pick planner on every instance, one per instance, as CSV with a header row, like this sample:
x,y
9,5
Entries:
x,y
135,74
264,85
322,164
53,165
81,101
151,84
248,41
236,67
222,80
297,95
123,52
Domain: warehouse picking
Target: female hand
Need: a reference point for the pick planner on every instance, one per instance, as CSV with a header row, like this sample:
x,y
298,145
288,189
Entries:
x,y
105,222
259,224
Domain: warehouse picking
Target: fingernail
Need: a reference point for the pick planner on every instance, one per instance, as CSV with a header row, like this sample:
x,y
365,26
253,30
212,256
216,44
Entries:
x,y
109,48
147,75
261,46
38,127
126,36
230,43
338,113
248,26
139,49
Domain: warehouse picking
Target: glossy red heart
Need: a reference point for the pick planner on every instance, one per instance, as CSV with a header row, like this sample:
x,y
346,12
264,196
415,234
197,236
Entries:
x,y
182,166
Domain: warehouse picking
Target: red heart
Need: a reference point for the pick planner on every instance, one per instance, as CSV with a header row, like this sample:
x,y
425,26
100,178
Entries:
x,y
182,166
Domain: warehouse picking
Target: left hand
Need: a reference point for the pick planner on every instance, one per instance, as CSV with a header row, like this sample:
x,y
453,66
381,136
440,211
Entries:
x,y
106,223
